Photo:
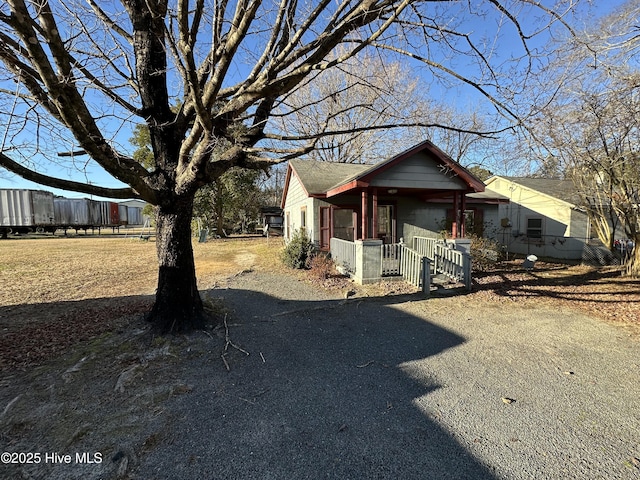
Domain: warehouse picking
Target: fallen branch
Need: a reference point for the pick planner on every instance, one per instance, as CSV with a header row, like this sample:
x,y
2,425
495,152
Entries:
x,y
372,362
228,343
313,309
6,409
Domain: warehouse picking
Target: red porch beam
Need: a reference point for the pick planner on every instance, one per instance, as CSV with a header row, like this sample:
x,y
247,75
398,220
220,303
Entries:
x,y
456,216
463,207
374,225
353,185
365,214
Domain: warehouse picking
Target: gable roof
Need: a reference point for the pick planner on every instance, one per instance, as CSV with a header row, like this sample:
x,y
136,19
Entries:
x,y
473,182
319,177
563,190
327,179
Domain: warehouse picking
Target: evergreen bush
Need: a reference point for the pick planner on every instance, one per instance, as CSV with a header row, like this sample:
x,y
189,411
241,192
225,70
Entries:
x,y
298,251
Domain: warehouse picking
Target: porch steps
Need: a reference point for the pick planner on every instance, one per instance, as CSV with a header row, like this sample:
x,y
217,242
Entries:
x,y
441,280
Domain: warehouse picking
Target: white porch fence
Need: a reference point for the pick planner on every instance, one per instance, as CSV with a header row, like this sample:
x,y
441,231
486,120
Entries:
x,y
416,265
452,263
425,246
415,268
343,254
391,255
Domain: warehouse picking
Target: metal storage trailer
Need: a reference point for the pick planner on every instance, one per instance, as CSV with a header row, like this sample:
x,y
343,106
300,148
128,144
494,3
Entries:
x,y
114,214
64,211
22,210
109,214
123,214
72,212
95,214
134,216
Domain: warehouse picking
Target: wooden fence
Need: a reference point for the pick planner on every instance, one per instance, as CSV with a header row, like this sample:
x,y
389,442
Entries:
x,y
415,268
425,246
391,255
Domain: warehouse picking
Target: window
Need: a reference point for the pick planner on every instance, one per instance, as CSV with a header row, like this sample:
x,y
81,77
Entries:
x,y
343,224
534,227
303,219
288,225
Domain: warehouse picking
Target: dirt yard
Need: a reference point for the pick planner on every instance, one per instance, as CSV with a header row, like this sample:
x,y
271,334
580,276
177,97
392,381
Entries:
x,y
74,343
61,291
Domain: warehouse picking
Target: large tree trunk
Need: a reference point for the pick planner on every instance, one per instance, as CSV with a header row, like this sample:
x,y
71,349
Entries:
x,y
178,306
633,264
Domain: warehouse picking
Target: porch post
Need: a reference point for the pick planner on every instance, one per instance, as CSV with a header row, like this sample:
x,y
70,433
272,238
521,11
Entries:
x,y
463,207
456,216
365,215
374,214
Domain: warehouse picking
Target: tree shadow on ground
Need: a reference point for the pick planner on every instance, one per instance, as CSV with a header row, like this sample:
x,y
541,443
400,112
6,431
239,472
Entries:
x,y
558,282
33,334
323,393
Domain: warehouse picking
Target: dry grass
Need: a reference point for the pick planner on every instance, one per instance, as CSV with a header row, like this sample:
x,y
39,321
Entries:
x,y
58,291
58,269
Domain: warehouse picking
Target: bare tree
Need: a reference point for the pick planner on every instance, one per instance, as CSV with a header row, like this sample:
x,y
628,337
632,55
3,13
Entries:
x,y
591,123
370,107
79,75
360,101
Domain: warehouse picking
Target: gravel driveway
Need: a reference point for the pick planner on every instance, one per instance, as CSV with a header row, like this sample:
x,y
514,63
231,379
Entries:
x,y
400,388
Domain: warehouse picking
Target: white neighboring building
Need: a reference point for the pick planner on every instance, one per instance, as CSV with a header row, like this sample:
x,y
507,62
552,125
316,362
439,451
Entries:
x,y
544,217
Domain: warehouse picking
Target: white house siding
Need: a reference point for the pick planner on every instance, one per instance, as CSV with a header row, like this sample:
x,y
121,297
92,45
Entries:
x,y
565,230
294,204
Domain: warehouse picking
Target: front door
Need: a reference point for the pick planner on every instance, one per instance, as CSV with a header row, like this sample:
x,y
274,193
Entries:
x,y
386,224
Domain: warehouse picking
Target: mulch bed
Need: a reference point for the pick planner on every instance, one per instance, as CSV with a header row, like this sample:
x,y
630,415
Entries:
x,y
602,293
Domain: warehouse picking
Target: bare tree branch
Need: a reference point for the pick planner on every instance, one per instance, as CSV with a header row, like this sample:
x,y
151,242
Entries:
x,y
53,182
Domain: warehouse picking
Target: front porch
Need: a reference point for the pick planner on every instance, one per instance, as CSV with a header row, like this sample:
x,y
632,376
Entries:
x,y
369,261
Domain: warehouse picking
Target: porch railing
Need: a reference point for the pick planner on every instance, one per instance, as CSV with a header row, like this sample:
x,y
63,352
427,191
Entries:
x,y
415,268
452,263
343,253
391,255
425,246
415,265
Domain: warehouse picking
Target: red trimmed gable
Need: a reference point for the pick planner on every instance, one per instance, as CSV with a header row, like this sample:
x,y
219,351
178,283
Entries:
x,y
368,178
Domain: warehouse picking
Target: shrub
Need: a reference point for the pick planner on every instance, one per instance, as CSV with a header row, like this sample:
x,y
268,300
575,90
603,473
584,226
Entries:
x,y
485,252
321,266
297,253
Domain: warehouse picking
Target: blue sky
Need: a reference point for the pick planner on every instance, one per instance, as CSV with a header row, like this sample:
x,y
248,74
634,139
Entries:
x,y
96,175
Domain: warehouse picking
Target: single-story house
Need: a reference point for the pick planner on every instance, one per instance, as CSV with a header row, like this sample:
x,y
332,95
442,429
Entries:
x,y
543,217
419,192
